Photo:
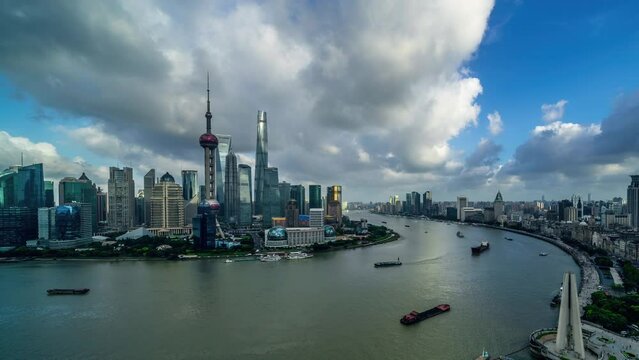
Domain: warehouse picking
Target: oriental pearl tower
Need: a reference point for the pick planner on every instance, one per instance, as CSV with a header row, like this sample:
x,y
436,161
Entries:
x,y
209,142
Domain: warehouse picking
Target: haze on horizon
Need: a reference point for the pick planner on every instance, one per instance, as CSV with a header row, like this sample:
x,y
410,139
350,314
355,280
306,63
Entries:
x,y
384,98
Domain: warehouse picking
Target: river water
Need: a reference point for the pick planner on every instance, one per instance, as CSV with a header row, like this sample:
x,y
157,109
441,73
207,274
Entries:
x,y
333,306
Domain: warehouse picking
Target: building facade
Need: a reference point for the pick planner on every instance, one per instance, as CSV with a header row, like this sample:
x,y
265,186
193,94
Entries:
x,y
298,192
462,202
231,189
121,198
315,196
271,197
81,190
149,182
245,195
48,194
261,161
167,204
633,201
222,150
46,223
189,184
21,194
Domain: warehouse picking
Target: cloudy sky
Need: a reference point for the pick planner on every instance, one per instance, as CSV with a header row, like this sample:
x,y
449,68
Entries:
x,y
383,97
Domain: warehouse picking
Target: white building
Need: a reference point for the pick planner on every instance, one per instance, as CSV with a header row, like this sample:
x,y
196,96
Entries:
x,y
316,218
280,237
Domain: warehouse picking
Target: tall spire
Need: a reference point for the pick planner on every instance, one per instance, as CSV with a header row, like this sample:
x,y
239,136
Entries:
x,y
208,106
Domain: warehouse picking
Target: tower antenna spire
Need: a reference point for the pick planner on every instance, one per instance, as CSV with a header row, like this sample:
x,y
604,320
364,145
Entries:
x,y
208,106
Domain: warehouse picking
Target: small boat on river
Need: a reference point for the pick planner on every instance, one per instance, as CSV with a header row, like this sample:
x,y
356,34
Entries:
x,y
67,291
388,263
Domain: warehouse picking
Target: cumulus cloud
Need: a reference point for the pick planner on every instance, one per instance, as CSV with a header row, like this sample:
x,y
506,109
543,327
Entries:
x,y
495,125
553,112
585,157
56,166
366,78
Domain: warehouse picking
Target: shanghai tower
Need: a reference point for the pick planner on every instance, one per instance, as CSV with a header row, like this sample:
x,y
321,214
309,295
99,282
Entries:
x,y
209,142
261,161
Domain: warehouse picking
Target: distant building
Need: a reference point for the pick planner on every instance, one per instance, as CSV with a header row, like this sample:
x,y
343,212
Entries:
x,y
101,206
205,223
316,218
140,205
570,213
292,214
285,195
462,202
21,194
315,196
633,201
498,206
231,189
48,194
278,221
167,204
298,192
246,195
46,223
121,195
334,202
149,182
189,184
271,196
81,190
427,203
261,161
221,152
280,237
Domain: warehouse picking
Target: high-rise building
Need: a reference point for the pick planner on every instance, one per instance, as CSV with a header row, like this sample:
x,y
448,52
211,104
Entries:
x,y
271,197
209,143
73,221
285,195
22,186
149,182
416,206
101,205
140,205
298,192
167,204
246,195
462,202
21,194
81,190
427,203
189,184
633,201
261,161
48,194
292,214
316,217
314,196
231,204
223,148
498,205
205,222
334,202
121,195
46,223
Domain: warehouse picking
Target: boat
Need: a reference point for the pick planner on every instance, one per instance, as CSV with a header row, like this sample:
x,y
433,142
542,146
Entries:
x,y
383,222
67,291
407,225
414,317
556,300
425,232
187,257
388,263
297,255
459,234
270,258
228,261
507,238
484,356
479,249
543,254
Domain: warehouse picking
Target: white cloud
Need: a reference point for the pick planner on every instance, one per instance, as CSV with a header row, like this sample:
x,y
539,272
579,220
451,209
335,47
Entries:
x,y
495,125
553,112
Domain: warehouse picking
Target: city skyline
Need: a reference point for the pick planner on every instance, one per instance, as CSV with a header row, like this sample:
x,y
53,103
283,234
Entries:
x,y
474,131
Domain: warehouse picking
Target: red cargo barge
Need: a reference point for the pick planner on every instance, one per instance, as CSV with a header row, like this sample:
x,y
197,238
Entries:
x,y
415,317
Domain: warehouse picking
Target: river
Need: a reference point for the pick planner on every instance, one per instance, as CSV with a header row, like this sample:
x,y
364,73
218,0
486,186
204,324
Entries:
x,y
333,306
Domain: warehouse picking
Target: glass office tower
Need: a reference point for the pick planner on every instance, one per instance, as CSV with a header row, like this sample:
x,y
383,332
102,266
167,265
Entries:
x,y
246,195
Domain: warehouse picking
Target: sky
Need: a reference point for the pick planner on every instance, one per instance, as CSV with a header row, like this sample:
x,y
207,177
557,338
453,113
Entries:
x,y
458,97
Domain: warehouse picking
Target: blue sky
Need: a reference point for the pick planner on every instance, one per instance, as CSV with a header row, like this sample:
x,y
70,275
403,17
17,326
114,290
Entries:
x,y
340,83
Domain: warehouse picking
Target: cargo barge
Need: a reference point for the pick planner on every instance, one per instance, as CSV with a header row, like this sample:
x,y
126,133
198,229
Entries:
x,y
414,317
476,250
388,263
67,291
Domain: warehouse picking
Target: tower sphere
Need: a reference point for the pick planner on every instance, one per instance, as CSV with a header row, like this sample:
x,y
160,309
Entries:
x,y
208,140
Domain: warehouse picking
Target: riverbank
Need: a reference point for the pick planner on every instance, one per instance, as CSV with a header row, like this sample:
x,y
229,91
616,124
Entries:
x,y
589,275
336,245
